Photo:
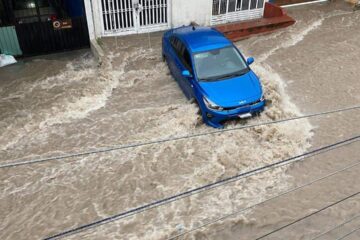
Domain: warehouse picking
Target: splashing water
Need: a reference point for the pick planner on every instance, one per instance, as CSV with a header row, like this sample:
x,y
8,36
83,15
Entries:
x,y
132,98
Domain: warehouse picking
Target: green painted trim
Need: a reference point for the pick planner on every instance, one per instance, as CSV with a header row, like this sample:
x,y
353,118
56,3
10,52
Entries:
x,y
9,43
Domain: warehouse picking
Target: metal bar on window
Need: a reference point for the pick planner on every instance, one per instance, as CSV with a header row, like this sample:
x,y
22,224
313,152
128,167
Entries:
x,y
105,14
156,12
160,11
219,10
122,14
153,12
167,4
158,8
164,11
126,14
139,13
143,12
146,12
163,8
131,14
111,7
116,15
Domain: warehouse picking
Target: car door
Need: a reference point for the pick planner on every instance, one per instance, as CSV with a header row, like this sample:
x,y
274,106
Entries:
x,y
172,55
187,82
178,64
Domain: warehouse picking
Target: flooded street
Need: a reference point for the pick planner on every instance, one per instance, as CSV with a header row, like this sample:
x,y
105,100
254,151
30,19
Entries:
x,y
65,104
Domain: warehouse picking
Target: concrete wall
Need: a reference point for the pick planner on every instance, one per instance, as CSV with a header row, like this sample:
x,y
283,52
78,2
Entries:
x,y
89,19
185,11
97,17
93,17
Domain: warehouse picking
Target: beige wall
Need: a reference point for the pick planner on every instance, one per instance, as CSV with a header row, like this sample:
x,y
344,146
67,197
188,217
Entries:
x,y
185,11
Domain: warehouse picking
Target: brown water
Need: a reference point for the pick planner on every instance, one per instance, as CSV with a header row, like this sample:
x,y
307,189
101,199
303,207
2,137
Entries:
x,y
132,98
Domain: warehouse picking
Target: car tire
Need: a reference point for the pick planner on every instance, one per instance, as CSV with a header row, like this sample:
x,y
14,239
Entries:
x,y
199,117
194,101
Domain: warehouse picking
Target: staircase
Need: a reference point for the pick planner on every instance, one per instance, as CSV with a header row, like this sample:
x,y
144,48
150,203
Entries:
x,y
274,18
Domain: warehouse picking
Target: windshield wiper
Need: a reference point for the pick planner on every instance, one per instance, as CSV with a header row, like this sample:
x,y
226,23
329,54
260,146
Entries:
x,y
209,79
239,73
234,74
225,76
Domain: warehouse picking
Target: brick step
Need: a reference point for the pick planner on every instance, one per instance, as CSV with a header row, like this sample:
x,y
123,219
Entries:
x,y
274,18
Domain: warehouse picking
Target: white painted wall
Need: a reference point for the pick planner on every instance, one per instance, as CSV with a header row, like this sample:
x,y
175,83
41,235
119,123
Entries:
x,y
93,18
96,6
89,18
183,12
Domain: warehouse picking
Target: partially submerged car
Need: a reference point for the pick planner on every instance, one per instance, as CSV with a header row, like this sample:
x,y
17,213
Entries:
x,y
212,71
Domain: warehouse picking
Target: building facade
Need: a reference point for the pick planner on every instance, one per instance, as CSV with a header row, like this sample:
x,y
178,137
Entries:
x,y
122,17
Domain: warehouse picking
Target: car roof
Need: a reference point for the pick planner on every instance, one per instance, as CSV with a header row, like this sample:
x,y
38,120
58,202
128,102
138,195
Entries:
x,y
200,39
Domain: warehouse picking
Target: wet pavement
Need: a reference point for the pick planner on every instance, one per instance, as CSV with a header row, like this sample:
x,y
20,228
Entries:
x,y
65,104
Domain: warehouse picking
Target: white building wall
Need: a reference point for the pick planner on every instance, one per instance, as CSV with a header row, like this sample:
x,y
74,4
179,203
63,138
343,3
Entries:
x,y
183,12
97,17
90,19
93,17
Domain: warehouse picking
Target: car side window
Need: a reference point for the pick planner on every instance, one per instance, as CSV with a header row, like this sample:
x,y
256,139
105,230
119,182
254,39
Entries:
x,y
175,43
187,59
181,52
180,48
172,42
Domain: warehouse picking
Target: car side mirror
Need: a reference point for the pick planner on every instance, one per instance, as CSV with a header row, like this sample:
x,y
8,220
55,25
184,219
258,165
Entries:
x,y
250,60
186,73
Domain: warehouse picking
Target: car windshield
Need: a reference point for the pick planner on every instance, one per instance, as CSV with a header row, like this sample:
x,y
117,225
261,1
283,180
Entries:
x,y
219,64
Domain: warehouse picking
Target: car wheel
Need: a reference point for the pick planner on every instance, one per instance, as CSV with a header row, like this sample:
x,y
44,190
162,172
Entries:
x,y
194,101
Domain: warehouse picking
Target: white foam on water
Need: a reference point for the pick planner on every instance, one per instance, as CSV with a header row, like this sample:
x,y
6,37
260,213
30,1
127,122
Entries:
x,y
294,38
77,91
281,141
212,158
297,35
209,158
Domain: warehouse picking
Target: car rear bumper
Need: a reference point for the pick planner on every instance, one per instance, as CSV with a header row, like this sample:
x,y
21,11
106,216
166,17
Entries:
x,y
216,118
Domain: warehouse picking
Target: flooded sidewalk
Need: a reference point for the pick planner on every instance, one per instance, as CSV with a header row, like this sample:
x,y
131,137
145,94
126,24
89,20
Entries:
x,y
132,98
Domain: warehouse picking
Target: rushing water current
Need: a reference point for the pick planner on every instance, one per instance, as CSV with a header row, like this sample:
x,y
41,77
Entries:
x,y
66,104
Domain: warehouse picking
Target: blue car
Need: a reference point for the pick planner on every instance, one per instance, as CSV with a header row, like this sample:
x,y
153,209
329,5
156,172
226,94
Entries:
x,y
212,72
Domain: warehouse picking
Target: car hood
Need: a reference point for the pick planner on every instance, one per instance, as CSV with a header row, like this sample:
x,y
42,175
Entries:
x,y
234,91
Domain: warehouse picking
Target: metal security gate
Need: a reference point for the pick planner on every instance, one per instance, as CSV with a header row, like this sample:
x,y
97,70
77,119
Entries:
x,y
120,17
224,11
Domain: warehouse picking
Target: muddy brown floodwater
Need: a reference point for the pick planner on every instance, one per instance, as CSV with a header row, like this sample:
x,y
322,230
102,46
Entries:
x,y
65,103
